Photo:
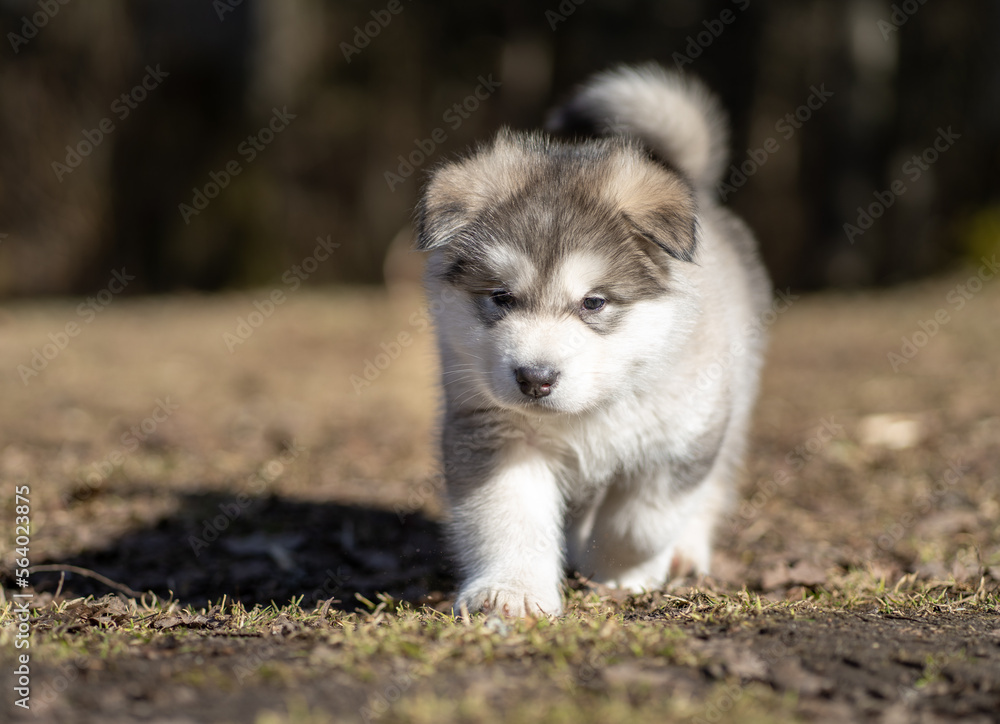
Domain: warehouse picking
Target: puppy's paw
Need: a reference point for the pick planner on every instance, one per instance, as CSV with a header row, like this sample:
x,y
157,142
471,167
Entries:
x,y
633,583
510,601
651,576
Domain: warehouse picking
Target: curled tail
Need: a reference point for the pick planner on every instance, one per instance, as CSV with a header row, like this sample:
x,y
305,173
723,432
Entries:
x,y
677,117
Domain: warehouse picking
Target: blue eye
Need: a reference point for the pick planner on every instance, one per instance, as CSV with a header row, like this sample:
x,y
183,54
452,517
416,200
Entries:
x,y
593,304
502,298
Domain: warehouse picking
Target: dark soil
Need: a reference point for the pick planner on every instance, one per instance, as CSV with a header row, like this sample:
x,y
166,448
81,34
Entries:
x,y
856,580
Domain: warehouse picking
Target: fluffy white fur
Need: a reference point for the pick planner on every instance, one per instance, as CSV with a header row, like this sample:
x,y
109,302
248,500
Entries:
x,y
677,115
591,475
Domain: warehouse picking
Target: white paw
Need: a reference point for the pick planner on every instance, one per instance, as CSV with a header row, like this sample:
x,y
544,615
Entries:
x,y
512,601
655,573
633,583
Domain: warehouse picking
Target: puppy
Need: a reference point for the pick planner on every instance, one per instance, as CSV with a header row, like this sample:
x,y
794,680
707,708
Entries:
x,y
597,322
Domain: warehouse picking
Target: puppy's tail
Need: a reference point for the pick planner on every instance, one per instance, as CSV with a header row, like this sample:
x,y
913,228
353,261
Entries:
x,y
677,117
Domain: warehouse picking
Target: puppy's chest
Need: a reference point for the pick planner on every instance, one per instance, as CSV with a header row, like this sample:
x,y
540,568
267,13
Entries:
x,y
592,452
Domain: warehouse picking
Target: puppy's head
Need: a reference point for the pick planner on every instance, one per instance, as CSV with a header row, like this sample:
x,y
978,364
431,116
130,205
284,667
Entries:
x,y
557,270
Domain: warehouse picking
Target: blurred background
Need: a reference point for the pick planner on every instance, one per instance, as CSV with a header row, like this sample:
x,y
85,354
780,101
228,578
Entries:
x,y
205,144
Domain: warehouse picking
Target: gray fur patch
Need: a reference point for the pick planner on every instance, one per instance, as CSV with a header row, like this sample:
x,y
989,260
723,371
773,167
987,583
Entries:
x,y
470,445
566,199
689,471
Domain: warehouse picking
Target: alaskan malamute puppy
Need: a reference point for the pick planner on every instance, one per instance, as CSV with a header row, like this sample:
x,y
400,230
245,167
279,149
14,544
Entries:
x,y
597,317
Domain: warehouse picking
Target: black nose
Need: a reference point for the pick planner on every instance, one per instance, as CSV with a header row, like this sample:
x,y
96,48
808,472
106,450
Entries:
x,y
536,381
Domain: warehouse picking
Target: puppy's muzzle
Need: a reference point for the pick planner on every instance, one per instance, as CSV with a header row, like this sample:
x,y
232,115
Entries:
x,y
536,382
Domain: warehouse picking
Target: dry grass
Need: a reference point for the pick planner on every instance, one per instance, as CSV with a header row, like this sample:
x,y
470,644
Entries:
x,y
857,580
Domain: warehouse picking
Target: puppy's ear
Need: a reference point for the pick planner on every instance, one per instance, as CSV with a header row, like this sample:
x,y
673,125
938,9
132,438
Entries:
x,y
660,207
445,208
671,227
458,192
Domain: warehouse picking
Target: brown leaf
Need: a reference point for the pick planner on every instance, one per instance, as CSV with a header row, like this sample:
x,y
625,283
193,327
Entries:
x,y
807,574
778,576
168,622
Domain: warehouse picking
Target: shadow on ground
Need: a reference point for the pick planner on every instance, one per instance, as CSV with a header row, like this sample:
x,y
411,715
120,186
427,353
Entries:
x,y
271,549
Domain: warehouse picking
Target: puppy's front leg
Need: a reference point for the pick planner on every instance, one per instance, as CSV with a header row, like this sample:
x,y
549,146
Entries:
x,y
506,529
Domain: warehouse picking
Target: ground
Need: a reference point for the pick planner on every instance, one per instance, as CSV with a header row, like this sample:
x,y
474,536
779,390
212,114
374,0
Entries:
x,y
256,484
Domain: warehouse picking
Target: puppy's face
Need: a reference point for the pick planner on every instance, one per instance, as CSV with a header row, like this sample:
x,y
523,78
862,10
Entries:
x,y
561,271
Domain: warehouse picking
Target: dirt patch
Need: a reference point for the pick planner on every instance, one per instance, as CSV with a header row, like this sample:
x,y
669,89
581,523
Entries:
x,y
264,495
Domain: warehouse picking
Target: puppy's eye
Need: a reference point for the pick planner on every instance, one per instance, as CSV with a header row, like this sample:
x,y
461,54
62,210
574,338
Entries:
x,y
594,304
502,298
